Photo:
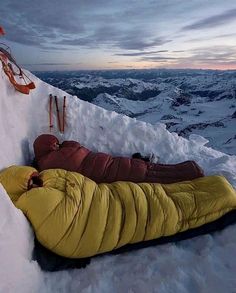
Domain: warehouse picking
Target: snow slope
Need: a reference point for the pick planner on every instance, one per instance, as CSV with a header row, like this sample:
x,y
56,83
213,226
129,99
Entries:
x,y
204,264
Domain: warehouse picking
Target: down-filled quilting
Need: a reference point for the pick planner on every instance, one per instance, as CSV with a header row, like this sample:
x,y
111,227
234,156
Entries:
x,y
104,168
75,217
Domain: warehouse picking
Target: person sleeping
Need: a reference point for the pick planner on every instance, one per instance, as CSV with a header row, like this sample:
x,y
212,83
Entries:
x,y
104,168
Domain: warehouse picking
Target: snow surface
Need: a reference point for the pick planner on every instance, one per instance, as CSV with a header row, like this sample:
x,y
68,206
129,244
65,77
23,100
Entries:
x,y
204,264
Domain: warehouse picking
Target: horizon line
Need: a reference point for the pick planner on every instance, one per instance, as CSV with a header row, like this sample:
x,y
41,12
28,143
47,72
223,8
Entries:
x,y
136,69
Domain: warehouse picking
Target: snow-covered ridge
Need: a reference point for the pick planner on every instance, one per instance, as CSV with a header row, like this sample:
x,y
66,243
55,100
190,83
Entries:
x,y
184,116
91,82
202,265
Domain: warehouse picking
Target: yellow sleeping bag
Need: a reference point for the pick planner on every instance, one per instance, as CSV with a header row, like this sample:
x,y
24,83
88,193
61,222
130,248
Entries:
x,y
75,217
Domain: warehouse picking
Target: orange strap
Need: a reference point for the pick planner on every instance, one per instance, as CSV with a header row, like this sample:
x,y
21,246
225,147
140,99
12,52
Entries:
x,y
24,89
19,87
5,57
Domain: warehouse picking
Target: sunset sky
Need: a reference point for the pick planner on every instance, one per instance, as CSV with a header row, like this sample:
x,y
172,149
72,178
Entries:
x,y
99,34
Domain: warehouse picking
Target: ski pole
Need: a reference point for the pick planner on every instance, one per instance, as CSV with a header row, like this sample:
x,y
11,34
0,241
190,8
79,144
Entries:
x,y
58,114
50,113
64,114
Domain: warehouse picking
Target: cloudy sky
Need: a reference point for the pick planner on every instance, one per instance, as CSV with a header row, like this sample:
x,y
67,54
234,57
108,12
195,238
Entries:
x,y
105,34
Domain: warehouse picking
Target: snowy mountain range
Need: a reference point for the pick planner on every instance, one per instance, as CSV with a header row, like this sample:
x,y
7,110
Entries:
x,y
202,264
187,101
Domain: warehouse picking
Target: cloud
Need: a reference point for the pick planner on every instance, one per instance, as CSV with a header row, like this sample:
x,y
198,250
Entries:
x,y
136,42
158,58
89,24
29,23
51,64
134,38
140,53
202,56
81,23
212,37
141,29
213,21
214,52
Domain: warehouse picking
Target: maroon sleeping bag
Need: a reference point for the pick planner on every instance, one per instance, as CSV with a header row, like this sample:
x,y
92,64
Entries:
x,y
101,167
